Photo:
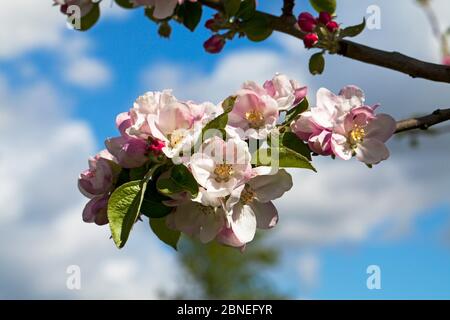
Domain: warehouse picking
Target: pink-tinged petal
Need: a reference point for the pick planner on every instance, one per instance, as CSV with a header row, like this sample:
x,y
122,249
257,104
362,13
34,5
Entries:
x,y
96,210
271,187
254,87
270,88
243,223
340,147
227,237
372,151
123,122
211,225
174,116
327,102
266,214
300,94
321,143
305,126
381,128
130,152
354,94
234,198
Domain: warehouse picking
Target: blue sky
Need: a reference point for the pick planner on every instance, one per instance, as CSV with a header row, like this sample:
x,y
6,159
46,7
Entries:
x,y
332,225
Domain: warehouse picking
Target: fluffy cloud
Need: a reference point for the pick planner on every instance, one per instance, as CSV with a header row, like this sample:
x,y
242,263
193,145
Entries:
x,y
88,73
41,230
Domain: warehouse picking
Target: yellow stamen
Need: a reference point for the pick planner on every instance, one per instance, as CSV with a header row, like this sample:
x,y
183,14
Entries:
x,y
357,135
247,195
255,119
223,172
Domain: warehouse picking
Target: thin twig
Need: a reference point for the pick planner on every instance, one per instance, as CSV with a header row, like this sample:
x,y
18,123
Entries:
x,y
425,122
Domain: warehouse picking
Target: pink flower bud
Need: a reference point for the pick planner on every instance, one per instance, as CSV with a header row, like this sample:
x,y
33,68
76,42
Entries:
x,y
332,26
210,24
156,146
306,22
310,40
325,17
214,44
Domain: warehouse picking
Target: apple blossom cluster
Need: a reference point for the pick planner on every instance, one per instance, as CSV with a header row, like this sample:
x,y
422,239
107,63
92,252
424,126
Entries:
x,y
199,168
310,25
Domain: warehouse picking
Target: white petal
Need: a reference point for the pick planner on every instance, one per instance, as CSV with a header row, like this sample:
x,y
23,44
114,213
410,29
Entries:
x,y
381,128
271,187
202,168
340,147
243,223
372,151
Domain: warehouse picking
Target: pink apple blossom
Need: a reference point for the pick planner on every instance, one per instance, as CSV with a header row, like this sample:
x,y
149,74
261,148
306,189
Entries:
x,y
203,217
220,166
255,111
99,178
344,126
250,207
95,210
285,91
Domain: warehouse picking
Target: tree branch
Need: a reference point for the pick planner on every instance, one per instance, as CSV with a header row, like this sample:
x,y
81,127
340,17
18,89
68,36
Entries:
x,y
390,60
425,122
288,8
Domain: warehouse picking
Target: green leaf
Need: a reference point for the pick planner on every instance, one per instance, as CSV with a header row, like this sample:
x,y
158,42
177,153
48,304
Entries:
x,y
281,157
231,7
317,63
292,142
166,235
180,180
138,173
184,178
297,110
191,13
247,10
90,19
228,104
127,4
353,31
152,205
324,5
123,210
257,28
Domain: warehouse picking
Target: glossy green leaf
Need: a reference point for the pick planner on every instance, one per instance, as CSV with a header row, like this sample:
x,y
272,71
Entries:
x,y
180,180
317,63
353,31
166,235
292,142
257,28
246,10
324,5
123,210
191,13
281,157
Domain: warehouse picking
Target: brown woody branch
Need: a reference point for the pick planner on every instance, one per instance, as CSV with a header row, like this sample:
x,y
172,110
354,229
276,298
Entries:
x,y
288,8
390,60
425,122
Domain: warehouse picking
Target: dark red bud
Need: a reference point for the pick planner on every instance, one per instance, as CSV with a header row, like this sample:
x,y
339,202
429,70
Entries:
x,y
332,26
310,40
306,22
214,44
325,17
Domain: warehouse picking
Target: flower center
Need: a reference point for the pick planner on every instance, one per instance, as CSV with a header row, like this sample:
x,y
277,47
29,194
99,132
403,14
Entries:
x,y
247,195
255,119
176,137
205,210
223,172
357,135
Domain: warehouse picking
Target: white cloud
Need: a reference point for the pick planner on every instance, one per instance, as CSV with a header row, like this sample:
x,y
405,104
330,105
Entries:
x,y
33,25
41,231
308,270
88,73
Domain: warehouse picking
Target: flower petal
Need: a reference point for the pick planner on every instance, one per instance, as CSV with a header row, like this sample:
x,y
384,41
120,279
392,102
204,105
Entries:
x,y
243,223
381,128
266,214
372,151
271,187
